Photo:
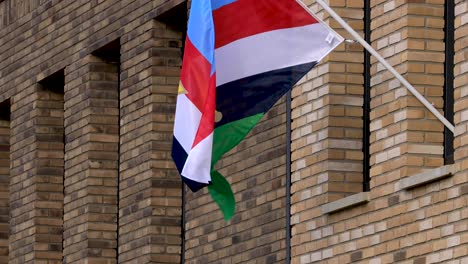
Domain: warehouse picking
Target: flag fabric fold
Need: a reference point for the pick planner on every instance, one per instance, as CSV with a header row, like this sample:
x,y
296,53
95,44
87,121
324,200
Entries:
x,y
240,57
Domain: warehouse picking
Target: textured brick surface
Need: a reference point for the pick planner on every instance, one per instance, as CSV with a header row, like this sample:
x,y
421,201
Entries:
x,y
422,225
91,161
150,223
4,187
460,242
111,194
327,121
405,136
103,109
49,174
327,134
256,170
36,183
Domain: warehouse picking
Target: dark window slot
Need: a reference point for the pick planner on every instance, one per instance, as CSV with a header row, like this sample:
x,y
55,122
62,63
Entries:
x,y
367,99
449,78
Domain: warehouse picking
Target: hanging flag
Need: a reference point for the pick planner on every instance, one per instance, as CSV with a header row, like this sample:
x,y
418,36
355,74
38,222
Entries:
x,y
240,57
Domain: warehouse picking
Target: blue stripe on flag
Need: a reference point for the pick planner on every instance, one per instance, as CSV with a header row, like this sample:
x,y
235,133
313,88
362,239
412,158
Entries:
x,y
201,28
215,4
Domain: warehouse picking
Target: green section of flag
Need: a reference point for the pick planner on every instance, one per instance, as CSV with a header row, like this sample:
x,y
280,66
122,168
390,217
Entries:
x,y
225,138
229,135
221,192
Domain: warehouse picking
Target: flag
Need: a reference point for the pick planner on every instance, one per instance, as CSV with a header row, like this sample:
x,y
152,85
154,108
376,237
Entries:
x,y
240,57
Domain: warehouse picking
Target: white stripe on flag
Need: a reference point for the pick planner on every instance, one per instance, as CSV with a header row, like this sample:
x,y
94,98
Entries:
x,y
187,120
273,50
198,165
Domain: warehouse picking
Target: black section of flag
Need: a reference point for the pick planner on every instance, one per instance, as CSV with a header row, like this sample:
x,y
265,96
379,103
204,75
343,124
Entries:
x,y
257,93
180,156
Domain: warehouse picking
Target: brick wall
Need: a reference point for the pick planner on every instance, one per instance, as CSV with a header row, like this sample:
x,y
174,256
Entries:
x,y
117,120
111,194
461,81
327,133
3,14
406,137
150,223
91,161
461,102
36,176
4,184
36,169
256,170
49,172
419,225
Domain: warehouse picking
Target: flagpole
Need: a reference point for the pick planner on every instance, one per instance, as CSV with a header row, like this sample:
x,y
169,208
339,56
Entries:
x,y
372,51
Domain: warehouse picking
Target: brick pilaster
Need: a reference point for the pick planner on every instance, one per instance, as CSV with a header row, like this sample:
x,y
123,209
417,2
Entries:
x,y
461,89
405,137
327,130
50,173
4,188
36,183
21,200
21,189
150,187
460,181
461,81
91,161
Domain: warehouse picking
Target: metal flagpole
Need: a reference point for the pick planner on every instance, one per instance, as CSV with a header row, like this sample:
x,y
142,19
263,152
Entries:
x,y
372,51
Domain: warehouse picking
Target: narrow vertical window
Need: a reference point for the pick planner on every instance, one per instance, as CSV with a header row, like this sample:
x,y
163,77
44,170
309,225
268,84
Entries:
x,y
449,78
367,99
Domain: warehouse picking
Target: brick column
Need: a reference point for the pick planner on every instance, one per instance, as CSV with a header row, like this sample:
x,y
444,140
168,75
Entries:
x,y
36,183
150,187
21,188
327,128
50,173
460,217
91,162
4,187
461,93
405,137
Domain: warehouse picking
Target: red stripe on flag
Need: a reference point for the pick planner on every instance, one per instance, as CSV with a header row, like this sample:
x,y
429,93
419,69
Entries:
x,y
245,18
195,75
206,126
